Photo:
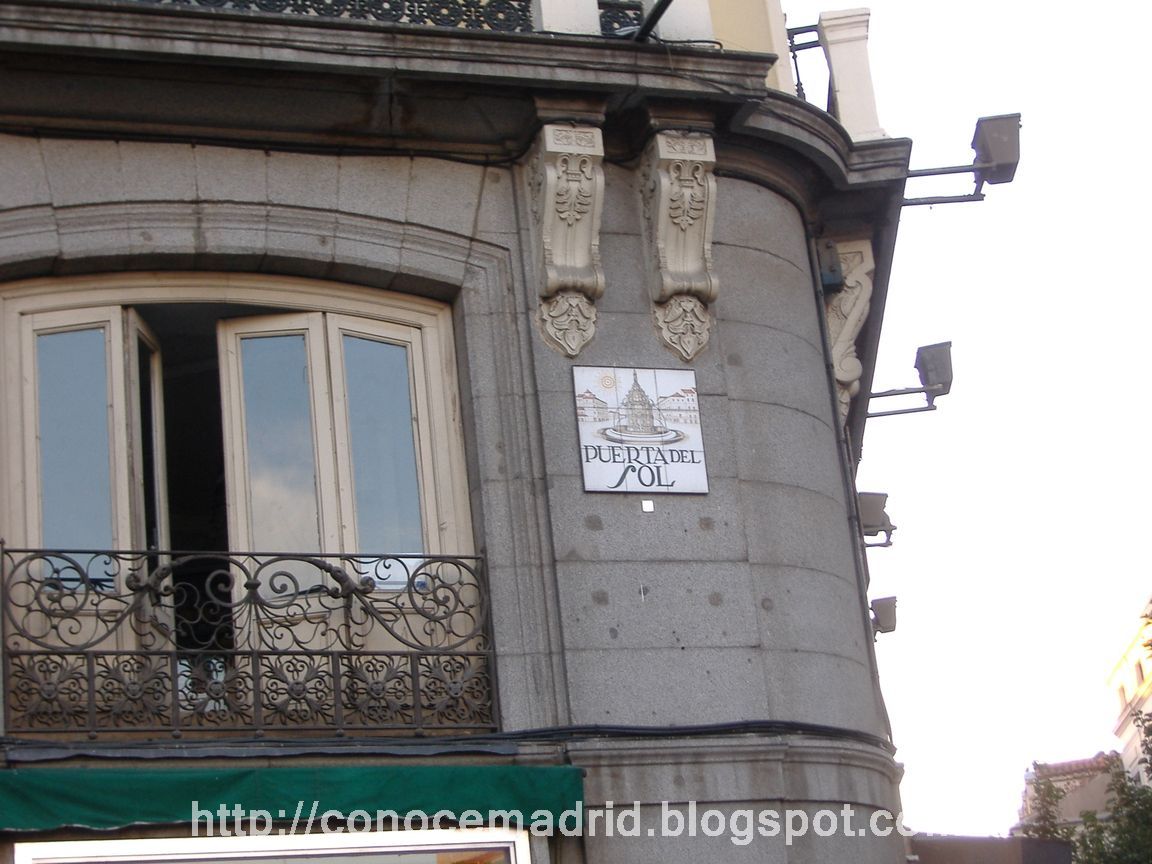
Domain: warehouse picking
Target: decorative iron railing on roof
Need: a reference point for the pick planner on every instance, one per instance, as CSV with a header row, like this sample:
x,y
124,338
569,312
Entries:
x,y
620,17
115,644
508,16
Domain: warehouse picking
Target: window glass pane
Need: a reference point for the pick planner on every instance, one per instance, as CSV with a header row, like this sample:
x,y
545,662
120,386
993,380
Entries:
x,y
383,450
281,458
72,399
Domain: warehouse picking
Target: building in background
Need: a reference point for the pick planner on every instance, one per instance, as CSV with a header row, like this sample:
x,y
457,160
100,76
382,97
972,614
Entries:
x,y
1084,785
1082,782
1131,680
301,288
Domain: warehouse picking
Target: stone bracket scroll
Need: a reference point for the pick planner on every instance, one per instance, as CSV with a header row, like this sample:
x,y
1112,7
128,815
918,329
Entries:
x,y
679,197
846,312
566,190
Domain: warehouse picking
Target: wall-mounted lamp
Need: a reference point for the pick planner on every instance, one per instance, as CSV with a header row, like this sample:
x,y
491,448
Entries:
x,y
874,519
883,614
997,145
934,365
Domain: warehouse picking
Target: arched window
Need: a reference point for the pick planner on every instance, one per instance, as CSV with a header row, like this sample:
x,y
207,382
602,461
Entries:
x,y
231,413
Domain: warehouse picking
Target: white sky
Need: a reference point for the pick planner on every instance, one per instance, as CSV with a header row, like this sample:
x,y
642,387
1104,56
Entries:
x,y
1022,503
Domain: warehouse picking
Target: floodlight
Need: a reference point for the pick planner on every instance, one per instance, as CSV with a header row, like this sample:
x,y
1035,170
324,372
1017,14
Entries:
x,y
884,614
873,518
934,365
997,145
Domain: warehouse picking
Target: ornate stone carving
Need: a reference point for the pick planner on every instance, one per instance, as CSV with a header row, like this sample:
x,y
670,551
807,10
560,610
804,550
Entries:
x,y
679,196
567,321
846,311
684,324
566,191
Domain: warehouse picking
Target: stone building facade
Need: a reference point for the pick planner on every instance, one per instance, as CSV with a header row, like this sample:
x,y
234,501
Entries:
x,y
1131,680
301,288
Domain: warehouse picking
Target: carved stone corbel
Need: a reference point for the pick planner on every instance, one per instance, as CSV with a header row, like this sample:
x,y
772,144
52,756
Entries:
x,y
846,311
679,194
566,191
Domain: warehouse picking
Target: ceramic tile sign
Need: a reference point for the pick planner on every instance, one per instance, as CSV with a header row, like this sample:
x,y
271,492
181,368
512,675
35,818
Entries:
x,y
639,430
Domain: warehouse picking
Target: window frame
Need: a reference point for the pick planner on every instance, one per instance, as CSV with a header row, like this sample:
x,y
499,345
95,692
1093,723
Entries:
x,y
231,334
108,320
169,850
336,327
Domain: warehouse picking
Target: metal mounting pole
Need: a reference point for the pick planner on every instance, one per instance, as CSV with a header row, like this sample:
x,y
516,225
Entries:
x,y
651,20
920,410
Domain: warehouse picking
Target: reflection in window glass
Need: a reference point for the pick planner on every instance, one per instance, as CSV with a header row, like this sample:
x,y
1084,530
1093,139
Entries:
x,y
72,395
383,448
284,511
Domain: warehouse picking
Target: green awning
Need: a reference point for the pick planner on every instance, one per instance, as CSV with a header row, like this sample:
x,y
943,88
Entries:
x,y
44,799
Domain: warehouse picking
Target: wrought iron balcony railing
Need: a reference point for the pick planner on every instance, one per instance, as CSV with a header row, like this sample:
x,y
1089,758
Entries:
x,y
507,16
138,644
620,17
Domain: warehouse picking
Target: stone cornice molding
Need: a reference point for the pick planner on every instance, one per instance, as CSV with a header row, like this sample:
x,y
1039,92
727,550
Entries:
x,y
518,59
678,189
565,179
816,135
846,312
222,235
757,767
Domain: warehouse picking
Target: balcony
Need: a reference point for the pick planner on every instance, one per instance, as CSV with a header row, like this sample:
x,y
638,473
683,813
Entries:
x,y
505,16
136,645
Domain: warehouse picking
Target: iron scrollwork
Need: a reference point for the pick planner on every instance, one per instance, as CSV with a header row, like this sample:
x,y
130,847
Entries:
x,y
152,642
507,16
617,15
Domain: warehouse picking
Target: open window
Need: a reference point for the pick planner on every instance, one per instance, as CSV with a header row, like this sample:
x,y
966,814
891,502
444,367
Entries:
x,y
93,423
235,503
183,421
